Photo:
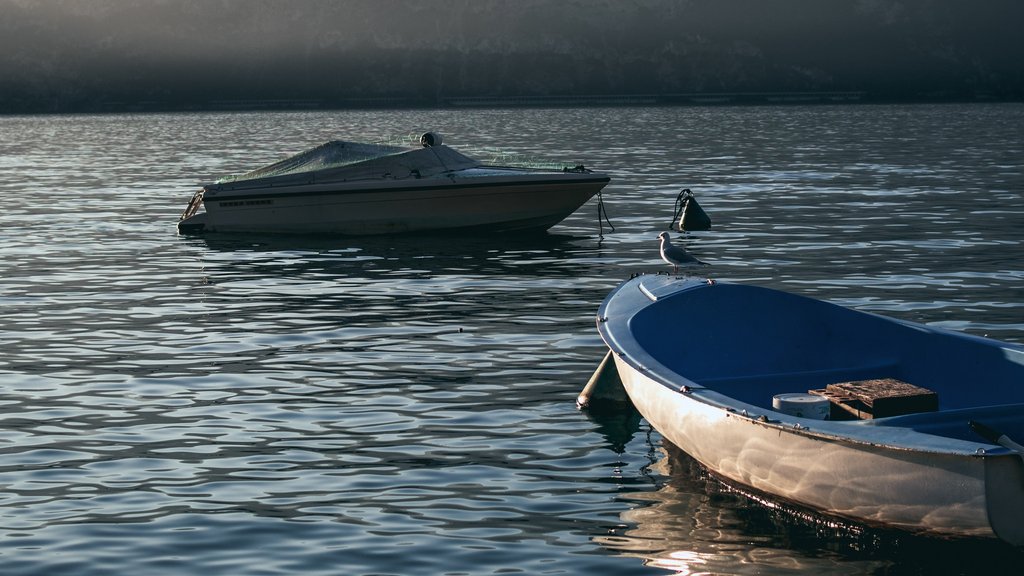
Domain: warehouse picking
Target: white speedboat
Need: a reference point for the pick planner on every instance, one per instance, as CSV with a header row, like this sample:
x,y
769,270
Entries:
x,y
351,188
875,420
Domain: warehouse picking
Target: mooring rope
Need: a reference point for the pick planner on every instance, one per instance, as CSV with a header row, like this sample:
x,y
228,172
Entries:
x,y
602,213
680,206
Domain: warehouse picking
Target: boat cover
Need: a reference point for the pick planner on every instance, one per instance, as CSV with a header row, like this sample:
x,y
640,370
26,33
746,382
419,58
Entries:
x,y
341,160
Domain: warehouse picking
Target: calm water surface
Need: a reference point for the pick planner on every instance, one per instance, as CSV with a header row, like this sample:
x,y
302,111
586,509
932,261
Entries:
x,y
403,405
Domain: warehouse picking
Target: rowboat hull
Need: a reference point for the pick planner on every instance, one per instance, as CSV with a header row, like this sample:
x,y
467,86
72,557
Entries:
x,y
918,472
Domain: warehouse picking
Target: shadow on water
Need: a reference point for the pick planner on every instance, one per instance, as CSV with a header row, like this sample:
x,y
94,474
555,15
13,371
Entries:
x,y
693,522
448,242
533,254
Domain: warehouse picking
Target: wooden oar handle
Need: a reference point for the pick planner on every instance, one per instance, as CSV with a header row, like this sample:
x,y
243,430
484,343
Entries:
x,y
984,431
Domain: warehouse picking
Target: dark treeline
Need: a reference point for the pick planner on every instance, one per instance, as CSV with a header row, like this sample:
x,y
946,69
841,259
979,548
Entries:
x,y
81,55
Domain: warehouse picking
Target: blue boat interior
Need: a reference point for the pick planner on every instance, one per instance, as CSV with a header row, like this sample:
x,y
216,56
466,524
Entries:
x,y
751,343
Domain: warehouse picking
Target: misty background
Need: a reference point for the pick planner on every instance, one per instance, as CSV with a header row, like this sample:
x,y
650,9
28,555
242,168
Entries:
x,y
108,55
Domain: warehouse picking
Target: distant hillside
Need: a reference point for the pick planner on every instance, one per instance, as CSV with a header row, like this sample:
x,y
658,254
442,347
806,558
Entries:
x,y
66,55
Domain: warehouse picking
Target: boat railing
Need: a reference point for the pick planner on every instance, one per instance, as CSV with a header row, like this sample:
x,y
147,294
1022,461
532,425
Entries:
x,y
193,204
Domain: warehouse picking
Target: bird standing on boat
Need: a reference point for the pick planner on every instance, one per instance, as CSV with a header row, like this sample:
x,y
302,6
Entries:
x,y
677,256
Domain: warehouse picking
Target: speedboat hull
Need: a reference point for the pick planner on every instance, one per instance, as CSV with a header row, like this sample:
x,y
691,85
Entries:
x,y
702,362
514,201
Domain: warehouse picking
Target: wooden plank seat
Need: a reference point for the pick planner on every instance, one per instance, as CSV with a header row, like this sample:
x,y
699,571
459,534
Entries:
x,y
877,398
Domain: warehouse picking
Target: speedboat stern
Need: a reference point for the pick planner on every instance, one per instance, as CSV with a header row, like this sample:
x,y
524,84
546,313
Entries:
x,y
191,220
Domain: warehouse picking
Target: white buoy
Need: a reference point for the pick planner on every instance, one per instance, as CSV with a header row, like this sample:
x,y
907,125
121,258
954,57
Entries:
x,y
802,405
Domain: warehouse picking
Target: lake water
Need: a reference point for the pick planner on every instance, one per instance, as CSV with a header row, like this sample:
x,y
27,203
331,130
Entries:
x,y
403,405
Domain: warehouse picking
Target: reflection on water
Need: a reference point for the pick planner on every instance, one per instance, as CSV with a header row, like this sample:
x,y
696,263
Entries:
x,y
693,523
255,405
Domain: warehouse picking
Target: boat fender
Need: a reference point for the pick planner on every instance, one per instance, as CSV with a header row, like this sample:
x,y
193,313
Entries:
x,y
430,139
604,385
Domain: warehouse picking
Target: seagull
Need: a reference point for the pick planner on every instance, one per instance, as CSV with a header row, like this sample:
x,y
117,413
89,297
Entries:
x,y
677,256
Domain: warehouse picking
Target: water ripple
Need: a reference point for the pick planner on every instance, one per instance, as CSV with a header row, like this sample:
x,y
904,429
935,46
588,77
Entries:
x,y
247,404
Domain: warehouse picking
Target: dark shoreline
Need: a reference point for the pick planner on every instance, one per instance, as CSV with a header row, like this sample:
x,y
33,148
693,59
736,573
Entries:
x,y
471,102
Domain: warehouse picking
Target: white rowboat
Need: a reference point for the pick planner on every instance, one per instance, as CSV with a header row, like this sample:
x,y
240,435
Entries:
x,y
921,421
